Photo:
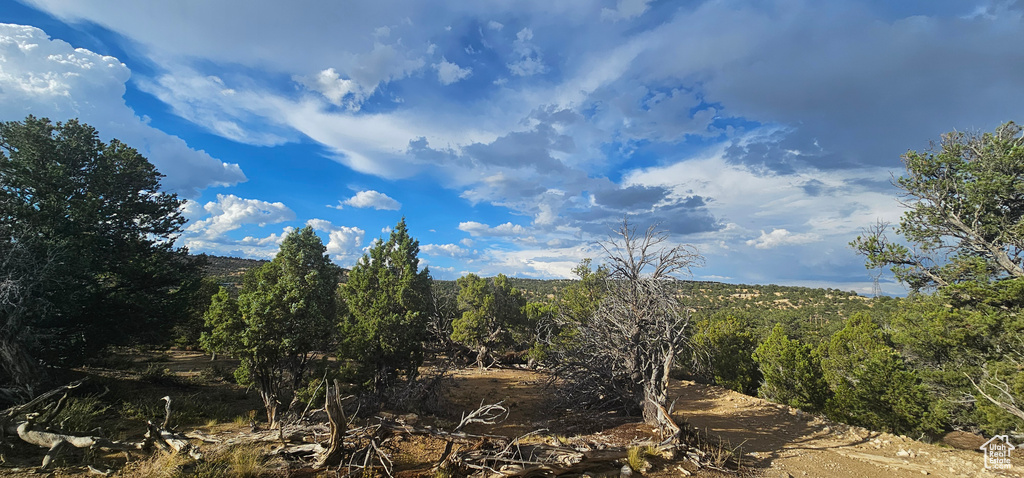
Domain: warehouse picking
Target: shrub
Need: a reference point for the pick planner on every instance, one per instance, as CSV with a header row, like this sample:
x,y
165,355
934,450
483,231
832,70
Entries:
x,y
792,373
871,384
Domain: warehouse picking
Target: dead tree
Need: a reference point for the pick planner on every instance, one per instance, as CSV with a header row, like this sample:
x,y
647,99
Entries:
x,y
336,417
623,354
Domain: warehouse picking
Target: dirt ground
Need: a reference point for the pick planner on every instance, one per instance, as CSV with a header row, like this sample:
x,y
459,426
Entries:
x,y
774,440
771,440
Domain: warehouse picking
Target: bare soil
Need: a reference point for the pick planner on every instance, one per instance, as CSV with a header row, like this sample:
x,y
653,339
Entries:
x,y
771,440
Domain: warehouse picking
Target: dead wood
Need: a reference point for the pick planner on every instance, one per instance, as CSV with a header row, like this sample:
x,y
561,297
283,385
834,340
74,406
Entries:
x,y
170,442
58,442
339,425
12,412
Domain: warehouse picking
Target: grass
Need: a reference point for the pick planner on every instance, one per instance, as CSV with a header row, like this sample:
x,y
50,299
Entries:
x,y
637,457
80,414
237,461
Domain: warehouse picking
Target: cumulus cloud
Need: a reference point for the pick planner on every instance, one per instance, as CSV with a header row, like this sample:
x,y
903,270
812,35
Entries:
x,y
370,198
449,250
625,10
528,61
448,72
343,242
503,230
781,237
335,88
50,78
230,212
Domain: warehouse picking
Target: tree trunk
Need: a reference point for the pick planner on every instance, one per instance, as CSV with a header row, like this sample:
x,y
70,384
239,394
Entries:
x,y
18,372
270,403
336,417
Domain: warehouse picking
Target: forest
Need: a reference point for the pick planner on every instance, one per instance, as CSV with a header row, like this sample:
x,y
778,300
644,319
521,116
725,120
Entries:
x,y
91,275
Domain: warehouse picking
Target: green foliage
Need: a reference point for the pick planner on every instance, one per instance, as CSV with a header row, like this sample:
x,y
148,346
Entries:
x,y
285,312
388,299
188,331
871,384
725,348
95,215
966,203
223,322
792,372
81,414
581,299
493,311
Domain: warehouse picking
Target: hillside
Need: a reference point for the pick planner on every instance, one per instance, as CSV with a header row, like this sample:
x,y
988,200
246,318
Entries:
x,y
229,270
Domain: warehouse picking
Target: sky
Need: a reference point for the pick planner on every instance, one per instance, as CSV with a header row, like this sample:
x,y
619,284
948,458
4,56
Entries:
x,y
514,135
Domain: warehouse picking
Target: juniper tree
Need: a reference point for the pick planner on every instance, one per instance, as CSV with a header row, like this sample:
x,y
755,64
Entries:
x,y
388,300
90,229
493,311
285,312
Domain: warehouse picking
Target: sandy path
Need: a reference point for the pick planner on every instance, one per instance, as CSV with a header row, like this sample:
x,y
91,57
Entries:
x,y
782,441
777,441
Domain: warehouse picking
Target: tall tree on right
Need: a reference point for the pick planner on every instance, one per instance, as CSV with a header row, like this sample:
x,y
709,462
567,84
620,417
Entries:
x,y
965,212
963,236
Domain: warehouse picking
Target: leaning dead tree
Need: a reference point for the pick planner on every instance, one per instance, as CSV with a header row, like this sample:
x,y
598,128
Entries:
x,y
621,357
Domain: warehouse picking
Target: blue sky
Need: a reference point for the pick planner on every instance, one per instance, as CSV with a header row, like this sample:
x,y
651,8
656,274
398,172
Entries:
x,y
513,135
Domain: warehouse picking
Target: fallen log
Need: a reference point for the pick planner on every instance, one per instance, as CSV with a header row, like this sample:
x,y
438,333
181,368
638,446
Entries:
x,y
168,441
58,442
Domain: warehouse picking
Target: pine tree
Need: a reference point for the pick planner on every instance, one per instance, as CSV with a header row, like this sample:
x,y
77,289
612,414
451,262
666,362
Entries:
x,y
388,301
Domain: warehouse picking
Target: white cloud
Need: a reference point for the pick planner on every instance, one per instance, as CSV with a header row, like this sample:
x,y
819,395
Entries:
x,y
50,78
479,229
528,62
448,72
781,237
343,241
335,88
370,198
449,250
249,246
625,10
493,25
230,212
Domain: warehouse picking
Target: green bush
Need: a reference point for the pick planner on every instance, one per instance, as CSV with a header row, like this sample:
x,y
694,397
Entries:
x,y
792,373
871,384
724,348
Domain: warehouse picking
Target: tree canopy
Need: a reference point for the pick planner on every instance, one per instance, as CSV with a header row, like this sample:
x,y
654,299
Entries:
x,y
965,212
284,313
388,301
92,217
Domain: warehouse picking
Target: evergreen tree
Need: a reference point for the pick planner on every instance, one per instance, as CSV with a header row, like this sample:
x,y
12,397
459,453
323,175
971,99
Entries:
x,y
726,346
792,372
492,312
388,301
223,321
92,216
871,385
286,311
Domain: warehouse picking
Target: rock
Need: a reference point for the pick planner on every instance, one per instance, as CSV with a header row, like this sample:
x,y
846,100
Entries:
x,y
625,472
963,441
903,453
